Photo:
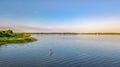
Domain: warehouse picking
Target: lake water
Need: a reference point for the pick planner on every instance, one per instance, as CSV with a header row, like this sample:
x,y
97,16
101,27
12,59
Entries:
x,y
63,51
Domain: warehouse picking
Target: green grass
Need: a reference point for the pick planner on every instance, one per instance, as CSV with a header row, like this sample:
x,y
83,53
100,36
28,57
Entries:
x,y
10,37
16,39
5,40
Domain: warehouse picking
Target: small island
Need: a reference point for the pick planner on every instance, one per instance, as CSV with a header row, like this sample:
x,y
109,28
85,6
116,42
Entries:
x,y
9,37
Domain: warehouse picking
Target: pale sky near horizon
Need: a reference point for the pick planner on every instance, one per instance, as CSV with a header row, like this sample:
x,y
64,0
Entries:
x,y
60,15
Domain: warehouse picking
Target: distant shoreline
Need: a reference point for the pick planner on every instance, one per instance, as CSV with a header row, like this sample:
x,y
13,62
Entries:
x,y
78,33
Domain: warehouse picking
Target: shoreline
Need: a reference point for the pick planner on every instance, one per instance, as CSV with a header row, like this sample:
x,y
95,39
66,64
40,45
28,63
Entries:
x,y
77,33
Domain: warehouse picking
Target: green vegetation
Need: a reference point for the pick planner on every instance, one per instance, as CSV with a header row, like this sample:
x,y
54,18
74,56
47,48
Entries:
x,y
9,37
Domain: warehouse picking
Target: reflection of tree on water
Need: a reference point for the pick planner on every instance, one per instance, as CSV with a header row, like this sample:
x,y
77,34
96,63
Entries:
x,y
51,52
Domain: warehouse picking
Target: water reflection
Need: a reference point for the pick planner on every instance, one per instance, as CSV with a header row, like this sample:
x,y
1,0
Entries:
x,y
14,45
51,52
63,51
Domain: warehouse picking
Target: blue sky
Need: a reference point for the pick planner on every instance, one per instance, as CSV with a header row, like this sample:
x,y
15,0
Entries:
x,y
62,14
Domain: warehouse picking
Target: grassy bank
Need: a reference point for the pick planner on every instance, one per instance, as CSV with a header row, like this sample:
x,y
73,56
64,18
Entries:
x,y
1,43
10,37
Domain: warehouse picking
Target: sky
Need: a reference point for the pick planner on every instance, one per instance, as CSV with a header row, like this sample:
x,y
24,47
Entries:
x,y
60,15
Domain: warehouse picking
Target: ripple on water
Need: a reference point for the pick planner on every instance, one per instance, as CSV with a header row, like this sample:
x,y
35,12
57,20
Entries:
x,y
67,51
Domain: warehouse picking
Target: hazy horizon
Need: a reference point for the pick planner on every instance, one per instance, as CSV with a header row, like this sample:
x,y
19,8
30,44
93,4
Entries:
x,y
60,16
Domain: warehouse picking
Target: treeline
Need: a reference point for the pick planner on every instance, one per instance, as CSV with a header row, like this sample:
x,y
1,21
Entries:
x,y
69,33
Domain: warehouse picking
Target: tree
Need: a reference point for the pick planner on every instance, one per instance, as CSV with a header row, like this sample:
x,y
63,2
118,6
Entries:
x,y
7,33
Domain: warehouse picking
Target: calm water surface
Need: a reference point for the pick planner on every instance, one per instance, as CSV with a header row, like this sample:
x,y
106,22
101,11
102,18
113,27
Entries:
x,y
63,51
